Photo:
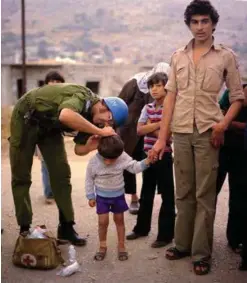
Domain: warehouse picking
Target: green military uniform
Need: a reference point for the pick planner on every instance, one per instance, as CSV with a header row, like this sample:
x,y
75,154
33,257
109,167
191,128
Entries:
x,y
35,122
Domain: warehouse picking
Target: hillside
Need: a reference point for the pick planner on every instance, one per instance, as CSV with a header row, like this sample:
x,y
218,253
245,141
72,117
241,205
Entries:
x,y
132,31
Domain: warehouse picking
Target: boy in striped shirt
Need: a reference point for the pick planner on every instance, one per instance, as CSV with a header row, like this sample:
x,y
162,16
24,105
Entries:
x,y
159,174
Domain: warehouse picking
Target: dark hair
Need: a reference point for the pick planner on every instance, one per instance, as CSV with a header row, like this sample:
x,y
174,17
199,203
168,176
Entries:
x,y
244,86
54,76
157,78
200,7
111,147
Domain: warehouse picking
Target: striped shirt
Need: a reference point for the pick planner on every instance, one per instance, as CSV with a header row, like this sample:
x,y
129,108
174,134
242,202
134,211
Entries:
x,y
153,114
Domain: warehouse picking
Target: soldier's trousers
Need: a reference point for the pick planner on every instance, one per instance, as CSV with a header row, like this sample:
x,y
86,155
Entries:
x,y
23,140
196,163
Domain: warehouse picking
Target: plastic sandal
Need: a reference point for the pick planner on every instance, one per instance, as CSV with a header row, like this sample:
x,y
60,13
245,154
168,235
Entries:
x,y
176,254
203,265
100,255
122,256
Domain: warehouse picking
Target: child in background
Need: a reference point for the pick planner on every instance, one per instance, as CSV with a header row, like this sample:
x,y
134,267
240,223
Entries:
x,y
233,161
105,189
159,174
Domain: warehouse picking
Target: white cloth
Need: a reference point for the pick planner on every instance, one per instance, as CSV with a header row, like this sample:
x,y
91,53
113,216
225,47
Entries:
x,y
143,77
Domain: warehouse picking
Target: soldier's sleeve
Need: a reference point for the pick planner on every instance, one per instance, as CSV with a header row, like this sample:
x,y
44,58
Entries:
x,y
80,100
232,78
172,82
81,138
75,103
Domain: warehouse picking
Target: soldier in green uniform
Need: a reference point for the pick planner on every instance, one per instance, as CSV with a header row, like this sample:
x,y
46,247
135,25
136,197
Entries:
x,y
39,118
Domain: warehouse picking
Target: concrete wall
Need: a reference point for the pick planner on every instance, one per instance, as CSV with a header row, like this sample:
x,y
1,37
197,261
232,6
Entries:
x,y
7,97
111,77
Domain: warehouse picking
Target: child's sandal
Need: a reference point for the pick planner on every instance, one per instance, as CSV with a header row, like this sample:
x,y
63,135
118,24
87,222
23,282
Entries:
x,y
100,255
122,256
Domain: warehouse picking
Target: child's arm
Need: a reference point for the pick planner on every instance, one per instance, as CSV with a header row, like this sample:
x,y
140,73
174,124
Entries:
x,y
134,166
237,125
89,182
143,128
144,125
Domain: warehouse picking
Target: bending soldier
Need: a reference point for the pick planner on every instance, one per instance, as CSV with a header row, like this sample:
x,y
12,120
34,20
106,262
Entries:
x,y
39,118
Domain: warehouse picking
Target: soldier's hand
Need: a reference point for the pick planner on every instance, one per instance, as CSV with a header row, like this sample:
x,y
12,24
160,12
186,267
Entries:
x,y
107,131
93,142
92,202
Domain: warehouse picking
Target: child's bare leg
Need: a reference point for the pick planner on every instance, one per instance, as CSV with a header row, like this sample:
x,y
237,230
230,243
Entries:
x,y
119,221
103,222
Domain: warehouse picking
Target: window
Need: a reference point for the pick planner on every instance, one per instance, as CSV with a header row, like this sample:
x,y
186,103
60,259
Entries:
x,y
41,83
19,84
94,86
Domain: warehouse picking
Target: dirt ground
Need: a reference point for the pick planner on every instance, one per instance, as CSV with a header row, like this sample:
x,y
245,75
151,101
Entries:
x,y
144,265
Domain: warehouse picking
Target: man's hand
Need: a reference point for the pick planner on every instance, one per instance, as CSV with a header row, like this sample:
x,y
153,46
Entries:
x,y
107,131
157,151
92,202
217,138
150,159
93,142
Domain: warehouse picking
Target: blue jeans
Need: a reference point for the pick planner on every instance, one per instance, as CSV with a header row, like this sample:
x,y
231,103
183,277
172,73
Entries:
x,y
46,181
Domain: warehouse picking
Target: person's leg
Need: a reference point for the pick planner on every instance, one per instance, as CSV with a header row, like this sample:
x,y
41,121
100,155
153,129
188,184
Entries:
x,y
46,181
185,196
222,169
130,188
243,265
164,169
144,217
130,179
206,166
22,146
53,151
237,196
120,226
103,222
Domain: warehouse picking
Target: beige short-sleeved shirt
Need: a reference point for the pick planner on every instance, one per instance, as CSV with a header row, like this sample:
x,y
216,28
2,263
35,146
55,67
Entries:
x,y
197,87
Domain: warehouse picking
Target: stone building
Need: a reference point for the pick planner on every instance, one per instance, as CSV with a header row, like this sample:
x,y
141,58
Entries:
x,y
106,80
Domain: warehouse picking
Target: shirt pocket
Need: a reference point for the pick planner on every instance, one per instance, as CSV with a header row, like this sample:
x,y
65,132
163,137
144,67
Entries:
x,y
213,79
182,77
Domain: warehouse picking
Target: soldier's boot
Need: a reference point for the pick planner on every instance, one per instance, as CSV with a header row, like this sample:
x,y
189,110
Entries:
x,y
24,229
66,231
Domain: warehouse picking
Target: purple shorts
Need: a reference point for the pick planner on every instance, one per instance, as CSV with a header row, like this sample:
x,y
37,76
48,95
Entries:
x,y
115,205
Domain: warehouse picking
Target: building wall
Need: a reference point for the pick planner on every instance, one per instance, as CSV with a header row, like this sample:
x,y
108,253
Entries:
x,y
110,77
7,91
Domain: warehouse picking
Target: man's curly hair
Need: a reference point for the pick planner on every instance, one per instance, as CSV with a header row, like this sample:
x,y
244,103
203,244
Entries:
x,y
200,7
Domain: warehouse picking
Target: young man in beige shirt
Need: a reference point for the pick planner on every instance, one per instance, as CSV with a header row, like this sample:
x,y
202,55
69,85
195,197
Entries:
x,y
197,74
